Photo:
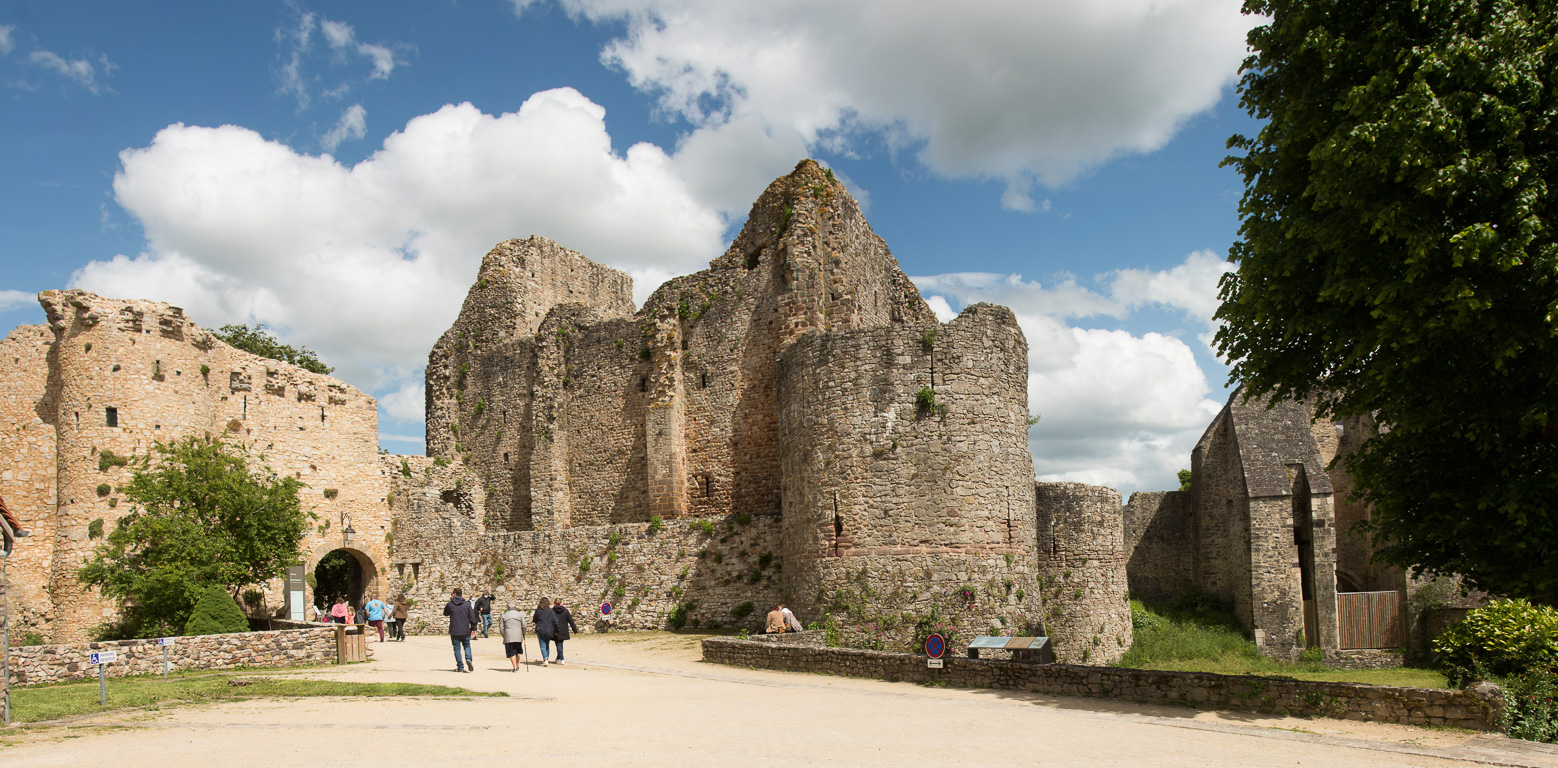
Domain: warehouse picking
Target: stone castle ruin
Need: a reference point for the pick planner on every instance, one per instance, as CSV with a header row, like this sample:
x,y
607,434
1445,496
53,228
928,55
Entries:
x,y
790,425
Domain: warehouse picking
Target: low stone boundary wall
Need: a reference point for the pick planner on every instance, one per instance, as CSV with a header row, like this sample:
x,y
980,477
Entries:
x,y
815,637
1352,701
35,664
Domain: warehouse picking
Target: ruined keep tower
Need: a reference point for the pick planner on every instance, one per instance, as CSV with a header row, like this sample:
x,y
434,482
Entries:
x,y
906,466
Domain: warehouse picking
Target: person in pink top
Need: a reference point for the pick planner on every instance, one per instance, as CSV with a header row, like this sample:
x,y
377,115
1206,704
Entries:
x,y
338,611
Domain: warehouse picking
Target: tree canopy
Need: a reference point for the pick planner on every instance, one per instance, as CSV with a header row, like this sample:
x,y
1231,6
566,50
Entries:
x,y
1396,258
201,517
257,341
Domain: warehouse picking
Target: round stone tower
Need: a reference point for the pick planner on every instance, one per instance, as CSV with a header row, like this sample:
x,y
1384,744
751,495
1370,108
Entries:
x,y
906,478
1081,556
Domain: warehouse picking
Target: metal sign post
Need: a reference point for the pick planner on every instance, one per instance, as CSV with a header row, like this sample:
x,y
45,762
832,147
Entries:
x,y
102,660
935,646
166,643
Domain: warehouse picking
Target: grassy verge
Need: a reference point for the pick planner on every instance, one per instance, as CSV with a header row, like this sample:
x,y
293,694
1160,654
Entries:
x,y
52,702
1193,634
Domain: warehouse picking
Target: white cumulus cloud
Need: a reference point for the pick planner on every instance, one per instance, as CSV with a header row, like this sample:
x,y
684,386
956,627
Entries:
x,y
12,300
368,264
1030,93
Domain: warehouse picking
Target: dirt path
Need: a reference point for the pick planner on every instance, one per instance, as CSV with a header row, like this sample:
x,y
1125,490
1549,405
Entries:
x,y
646,700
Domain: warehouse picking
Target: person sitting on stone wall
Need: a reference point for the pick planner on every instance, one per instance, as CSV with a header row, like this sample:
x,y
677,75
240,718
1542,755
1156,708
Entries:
x,y
339,611
775,624
791,623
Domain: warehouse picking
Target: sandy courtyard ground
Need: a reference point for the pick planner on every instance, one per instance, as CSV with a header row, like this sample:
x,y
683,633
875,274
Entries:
x,y
648,700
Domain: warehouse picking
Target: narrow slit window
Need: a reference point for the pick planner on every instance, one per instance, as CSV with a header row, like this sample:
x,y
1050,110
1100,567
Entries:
x,y
505,457
703,381
111,415
321,414
643,383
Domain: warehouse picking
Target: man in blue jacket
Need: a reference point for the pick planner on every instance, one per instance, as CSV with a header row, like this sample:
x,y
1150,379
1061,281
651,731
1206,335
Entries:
x,y
462,621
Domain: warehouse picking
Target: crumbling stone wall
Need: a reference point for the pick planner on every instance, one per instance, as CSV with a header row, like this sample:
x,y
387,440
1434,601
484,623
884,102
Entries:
x,y
38,664
1081,556
1159,543
114,378
28,474
643,571
908,495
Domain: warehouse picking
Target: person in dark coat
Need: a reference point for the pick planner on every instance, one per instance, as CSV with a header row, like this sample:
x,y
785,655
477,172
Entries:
x,y
462,621
545,622
484,608
564,622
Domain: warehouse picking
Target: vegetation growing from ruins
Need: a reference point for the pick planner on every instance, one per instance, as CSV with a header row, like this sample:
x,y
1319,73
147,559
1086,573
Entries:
x,y
1195,633
107,458
1397,258
54,702
257,341
200,517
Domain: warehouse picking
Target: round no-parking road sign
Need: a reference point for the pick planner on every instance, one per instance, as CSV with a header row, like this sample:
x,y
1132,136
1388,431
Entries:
x,y
935,646
605,609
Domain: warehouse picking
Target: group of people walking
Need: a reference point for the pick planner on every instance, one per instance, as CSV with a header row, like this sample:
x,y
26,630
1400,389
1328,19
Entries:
x,y
382,616
552,622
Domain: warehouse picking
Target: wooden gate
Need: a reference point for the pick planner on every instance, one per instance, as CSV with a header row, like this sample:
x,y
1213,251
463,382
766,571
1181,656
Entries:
x,y
1369,620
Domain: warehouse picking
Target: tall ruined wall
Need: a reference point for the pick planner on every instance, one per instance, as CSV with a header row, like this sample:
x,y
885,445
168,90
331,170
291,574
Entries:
x,y
1159,544
133,373
1221,503
898,501
643,571
575,414
28,476
1082,563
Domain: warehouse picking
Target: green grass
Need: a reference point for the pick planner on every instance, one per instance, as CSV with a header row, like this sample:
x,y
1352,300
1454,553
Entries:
x,y
53,702
1193,634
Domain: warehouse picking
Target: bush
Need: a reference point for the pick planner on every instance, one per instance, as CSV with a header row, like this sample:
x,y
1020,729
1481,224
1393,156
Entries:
x,y
1500,639
677,618
216,614
108,459
742,611
1529,709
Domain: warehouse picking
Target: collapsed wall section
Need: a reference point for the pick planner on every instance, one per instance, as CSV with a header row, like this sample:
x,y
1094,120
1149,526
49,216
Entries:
x,y
1082,564
906,472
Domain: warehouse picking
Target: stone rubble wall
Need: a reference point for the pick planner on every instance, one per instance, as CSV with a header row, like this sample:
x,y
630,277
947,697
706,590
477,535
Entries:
x,y
893,503
29,472
440,545
165,379
1081,555
1159,544
1352,701
38,664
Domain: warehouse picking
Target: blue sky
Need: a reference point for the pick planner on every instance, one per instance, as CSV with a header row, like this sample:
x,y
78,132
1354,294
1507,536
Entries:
x,y
336,169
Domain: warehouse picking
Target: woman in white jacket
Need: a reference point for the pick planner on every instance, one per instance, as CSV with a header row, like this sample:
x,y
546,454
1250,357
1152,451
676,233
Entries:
x,y
512,625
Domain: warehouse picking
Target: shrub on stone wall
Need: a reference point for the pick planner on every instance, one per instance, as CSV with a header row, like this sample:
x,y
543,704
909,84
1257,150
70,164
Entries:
x,y
216,614
1502,638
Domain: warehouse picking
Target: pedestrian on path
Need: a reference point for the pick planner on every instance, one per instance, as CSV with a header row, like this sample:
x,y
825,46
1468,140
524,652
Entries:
x,y
375,610
462,621
402,612
564,621
484,607
512,626
545,622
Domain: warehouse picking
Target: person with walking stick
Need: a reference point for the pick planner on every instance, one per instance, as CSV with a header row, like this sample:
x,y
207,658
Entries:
x,y
512,626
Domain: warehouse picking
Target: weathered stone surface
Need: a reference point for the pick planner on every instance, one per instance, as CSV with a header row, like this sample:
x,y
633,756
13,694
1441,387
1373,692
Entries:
x,y
32,665
1472,708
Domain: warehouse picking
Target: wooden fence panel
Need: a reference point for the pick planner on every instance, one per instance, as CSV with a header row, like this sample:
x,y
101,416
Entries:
x,y
1369,620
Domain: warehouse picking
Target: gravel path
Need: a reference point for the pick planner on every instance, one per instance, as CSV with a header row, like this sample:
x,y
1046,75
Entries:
x,y
646,700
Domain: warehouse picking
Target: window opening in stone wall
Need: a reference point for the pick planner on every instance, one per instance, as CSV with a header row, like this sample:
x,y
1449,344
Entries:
x,y
321,414
643,383
505,417
708,486
78,420
505,457
703,380
112,416
838,525
246,406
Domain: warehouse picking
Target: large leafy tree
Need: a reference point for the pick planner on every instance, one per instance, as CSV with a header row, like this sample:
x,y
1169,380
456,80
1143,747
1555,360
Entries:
x,y
202,517
1397,257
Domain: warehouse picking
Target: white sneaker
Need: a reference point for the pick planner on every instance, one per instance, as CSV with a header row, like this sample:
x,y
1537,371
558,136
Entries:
x,y
560,661
543,662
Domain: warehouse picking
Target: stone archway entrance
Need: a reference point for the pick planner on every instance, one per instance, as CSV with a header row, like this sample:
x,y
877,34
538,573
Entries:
x,y
343,573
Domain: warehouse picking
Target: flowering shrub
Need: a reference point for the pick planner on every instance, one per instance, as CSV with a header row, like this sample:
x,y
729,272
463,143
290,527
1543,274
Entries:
x,y
1530,711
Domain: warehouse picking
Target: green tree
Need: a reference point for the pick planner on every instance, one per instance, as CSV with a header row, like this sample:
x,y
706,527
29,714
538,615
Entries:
x,y
257,341
201,517
1396,258
216,614
1185,476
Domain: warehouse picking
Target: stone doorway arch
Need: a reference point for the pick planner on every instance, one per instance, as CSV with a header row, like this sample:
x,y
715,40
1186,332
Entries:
x,y
343,572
